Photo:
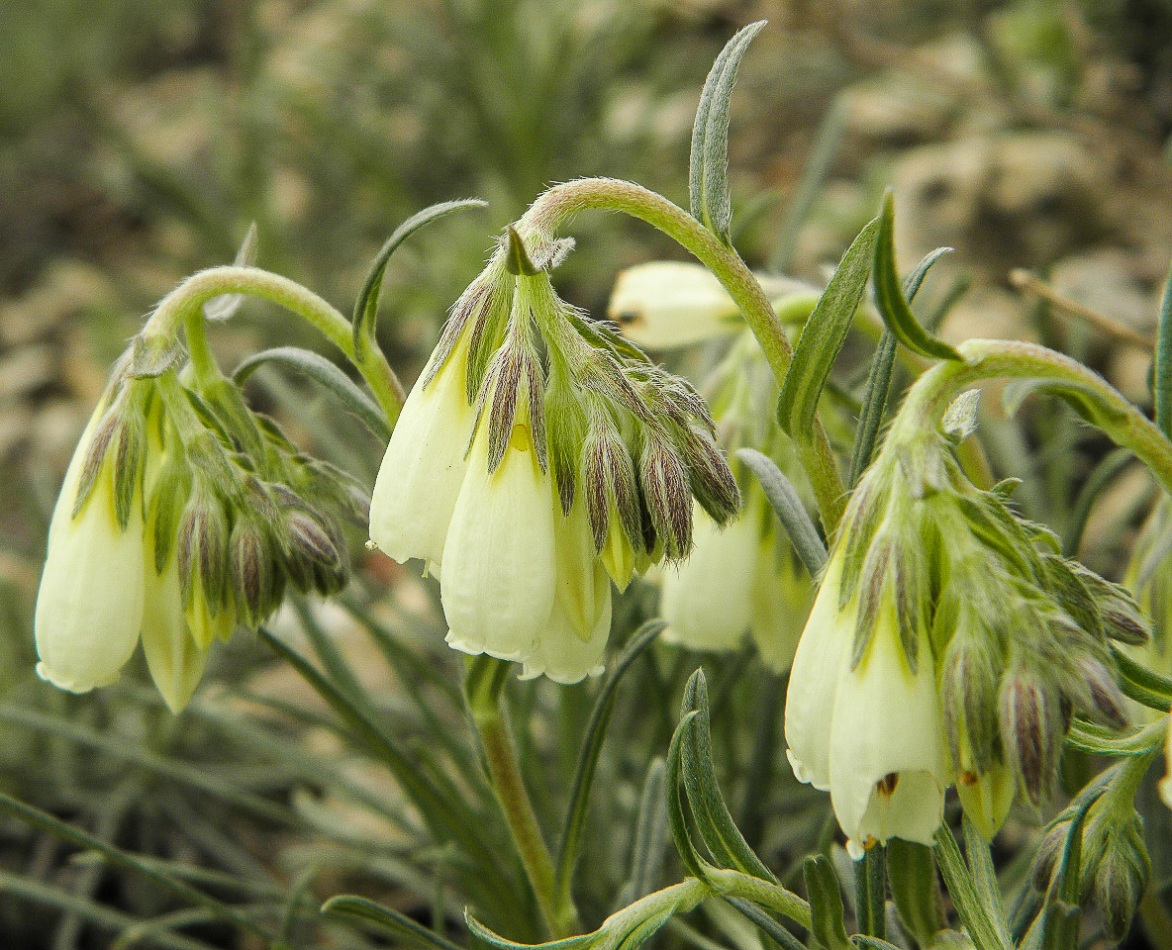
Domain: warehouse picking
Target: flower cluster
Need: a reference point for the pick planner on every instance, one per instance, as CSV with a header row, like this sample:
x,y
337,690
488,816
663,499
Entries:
x,y
539,455
744,577
181,515
949,640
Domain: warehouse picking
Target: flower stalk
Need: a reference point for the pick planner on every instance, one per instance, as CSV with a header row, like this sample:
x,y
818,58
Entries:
x,y
193,293
559,204
485,700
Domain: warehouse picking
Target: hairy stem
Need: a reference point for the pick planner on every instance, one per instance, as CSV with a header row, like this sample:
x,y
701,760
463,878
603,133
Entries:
x,y
559,204
187,299
485,700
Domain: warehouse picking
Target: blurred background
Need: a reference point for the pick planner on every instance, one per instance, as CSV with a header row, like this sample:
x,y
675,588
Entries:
x,y
140,138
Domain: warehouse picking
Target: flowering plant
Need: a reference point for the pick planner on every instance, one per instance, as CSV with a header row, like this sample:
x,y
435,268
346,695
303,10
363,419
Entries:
x,y
544,468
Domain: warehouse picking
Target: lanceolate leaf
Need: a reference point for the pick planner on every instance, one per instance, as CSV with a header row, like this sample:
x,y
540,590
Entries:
x,y
708,172
824,334
825,903
322,371
224,307
789,508
366,306
713,820
893,305
400,926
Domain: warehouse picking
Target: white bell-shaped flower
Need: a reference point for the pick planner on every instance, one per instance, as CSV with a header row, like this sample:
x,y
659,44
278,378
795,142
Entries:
x,y
707,598
574,641
500,558
423,468
90,602
873,735
665,304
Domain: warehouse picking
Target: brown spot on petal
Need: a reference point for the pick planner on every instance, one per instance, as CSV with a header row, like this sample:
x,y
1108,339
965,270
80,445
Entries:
x,y
886,786
968,779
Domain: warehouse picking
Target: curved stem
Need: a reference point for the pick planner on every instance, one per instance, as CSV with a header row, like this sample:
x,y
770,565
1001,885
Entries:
x,y
932,393
208,284
559,204
484,699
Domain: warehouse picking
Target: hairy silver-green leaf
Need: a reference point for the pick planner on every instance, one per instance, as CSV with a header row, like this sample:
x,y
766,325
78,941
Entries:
x,y
793,515
366,306
824,334
889,297
708,171
322,371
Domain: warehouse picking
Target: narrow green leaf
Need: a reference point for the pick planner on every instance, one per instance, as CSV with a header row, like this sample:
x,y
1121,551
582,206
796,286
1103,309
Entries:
x,y
366,306
1143,685
824,334
1062,913
770,927
877,392
1083,401
482,933
889,298
708,190
713,820
875,397
871,892
784,499
985,933
1094,739
695,865
1162,365
874,943
647,851
571,841
130,862
396,925
915,888
321,371
822,889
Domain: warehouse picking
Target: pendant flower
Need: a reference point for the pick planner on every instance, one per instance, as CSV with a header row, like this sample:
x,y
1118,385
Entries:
x,y
868,729
949,639
538,458
168,528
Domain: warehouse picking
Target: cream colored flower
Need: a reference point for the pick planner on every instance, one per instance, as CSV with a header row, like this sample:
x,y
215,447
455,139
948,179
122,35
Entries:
x,y
90,602
871,735
573,644
175,660
423,469
707,597
499,559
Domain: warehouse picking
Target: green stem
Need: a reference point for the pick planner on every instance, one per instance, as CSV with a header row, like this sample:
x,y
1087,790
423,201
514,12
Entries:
x,y
932,393
485,701
185,301
562,202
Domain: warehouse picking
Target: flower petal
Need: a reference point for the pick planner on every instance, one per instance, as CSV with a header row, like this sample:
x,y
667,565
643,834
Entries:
x,y
889,762
707,598
90,602
175,662
819,663
423,467
499,561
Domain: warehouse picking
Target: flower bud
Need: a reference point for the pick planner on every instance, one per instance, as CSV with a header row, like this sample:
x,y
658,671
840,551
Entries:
x,y
664,480
1033,727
